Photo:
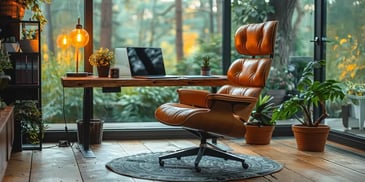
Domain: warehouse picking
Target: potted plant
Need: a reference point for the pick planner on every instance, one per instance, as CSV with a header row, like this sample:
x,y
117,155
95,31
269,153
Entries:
x,y
15,9
205,68
310,134
102,59
355,93
29,41
29,118
260,126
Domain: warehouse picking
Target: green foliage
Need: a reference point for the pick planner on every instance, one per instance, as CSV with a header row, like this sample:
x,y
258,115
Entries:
x,y
30,117
35,7
57,101
248,11
280,79
346,50
206,61
262,113
311,93
211,49
134,105
4,59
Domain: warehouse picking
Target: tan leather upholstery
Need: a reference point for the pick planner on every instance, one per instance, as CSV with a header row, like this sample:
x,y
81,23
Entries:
x,y
225,112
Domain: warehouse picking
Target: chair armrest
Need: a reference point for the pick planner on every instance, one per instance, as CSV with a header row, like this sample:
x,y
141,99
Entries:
x,y
193,97
241,106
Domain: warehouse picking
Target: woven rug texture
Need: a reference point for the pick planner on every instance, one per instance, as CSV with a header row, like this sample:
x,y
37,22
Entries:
x,y
146,166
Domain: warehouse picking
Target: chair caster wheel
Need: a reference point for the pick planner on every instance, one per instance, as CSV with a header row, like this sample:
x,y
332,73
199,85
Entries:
x,y
162,163
244,165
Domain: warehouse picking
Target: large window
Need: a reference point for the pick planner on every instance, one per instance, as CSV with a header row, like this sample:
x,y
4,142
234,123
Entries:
x,y
345,62
185,30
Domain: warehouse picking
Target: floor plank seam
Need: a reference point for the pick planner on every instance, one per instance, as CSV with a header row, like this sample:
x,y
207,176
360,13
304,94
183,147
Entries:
x,y
31,166
77,162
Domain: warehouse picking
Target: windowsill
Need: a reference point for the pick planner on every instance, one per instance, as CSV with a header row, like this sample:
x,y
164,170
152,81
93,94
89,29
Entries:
x,y
113,126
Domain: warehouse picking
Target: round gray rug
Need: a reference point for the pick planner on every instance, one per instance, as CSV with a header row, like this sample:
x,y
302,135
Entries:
x,y
146,166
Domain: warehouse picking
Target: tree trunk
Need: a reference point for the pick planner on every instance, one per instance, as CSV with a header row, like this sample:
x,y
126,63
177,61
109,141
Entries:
x,y
49,29
179,34
284,10
106,24
219,16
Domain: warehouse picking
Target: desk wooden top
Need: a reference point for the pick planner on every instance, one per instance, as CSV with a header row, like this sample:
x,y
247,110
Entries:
x,y
94,81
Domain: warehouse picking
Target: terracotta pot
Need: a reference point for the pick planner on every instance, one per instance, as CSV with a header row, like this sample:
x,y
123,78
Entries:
x,y
258,135
28,45
311,139
103,71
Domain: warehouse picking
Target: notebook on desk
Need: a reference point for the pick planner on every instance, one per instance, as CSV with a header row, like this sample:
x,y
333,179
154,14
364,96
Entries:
x,y
147,62
121,62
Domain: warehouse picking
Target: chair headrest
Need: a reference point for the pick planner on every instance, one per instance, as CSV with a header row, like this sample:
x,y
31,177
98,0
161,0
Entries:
x,y
256,39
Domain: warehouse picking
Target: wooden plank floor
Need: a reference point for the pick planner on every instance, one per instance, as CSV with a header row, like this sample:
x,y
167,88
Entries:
x,y
53,163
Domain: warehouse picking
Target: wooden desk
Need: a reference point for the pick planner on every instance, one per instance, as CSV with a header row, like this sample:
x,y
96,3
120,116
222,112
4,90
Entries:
x,y
92,81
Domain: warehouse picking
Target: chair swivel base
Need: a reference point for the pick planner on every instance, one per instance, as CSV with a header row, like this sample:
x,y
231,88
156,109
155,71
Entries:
x,y
200,152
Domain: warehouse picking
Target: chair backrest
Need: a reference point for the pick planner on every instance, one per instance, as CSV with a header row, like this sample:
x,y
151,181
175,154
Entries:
x,y
248,76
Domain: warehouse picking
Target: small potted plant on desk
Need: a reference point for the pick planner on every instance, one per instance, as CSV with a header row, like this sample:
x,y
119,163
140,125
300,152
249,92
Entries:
x,y
311,134
102,59
260,126
205,68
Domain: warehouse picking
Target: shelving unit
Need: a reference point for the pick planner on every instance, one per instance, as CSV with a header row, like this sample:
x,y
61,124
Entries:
x,y
25,83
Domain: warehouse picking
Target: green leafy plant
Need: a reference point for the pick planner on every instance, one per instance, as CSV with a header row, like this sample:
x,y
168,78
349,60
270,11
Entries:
x,y
30,117
310,93
29,34
356,89
34,6
206,62
4,59
262,113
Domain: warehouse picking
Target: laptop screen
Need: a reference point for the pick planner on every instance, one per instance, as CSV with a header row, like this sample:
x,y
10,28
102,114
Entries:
x,y
145,61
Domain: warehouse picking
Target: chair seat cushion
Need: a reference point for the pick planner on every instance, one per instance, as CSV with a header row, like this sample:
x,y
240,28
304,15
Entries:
x,y
175,114
201,119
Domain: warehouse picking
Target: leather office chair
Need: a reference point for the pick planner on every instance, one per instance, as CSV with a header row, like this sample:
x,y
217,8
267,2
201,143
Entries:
x,y
212,115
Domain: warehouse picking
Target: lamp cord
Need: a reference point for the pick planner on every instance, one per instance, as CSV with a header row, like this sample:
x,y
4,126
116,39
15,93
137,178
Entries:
x,y
63,109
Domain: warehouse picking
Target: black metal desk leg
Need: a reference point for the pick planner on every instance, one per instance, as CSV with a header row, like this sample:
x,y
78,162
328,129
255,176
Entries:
x,y
85,147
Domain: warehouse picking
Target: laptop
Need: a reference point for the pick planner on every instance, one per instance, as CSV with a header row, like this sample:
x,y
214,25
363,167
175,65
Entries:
x,y
147,62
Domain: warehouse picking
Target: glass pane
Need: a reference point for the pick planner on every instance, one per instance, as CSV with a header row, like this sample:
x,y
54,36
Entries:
x,y
184,30
62,17
345,60
293,46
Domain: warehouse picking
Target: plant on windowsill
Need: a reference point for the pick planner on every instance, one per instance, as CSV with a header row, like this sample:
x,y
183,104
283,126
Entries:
x,y
102,59
310,93
355,94
260,126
